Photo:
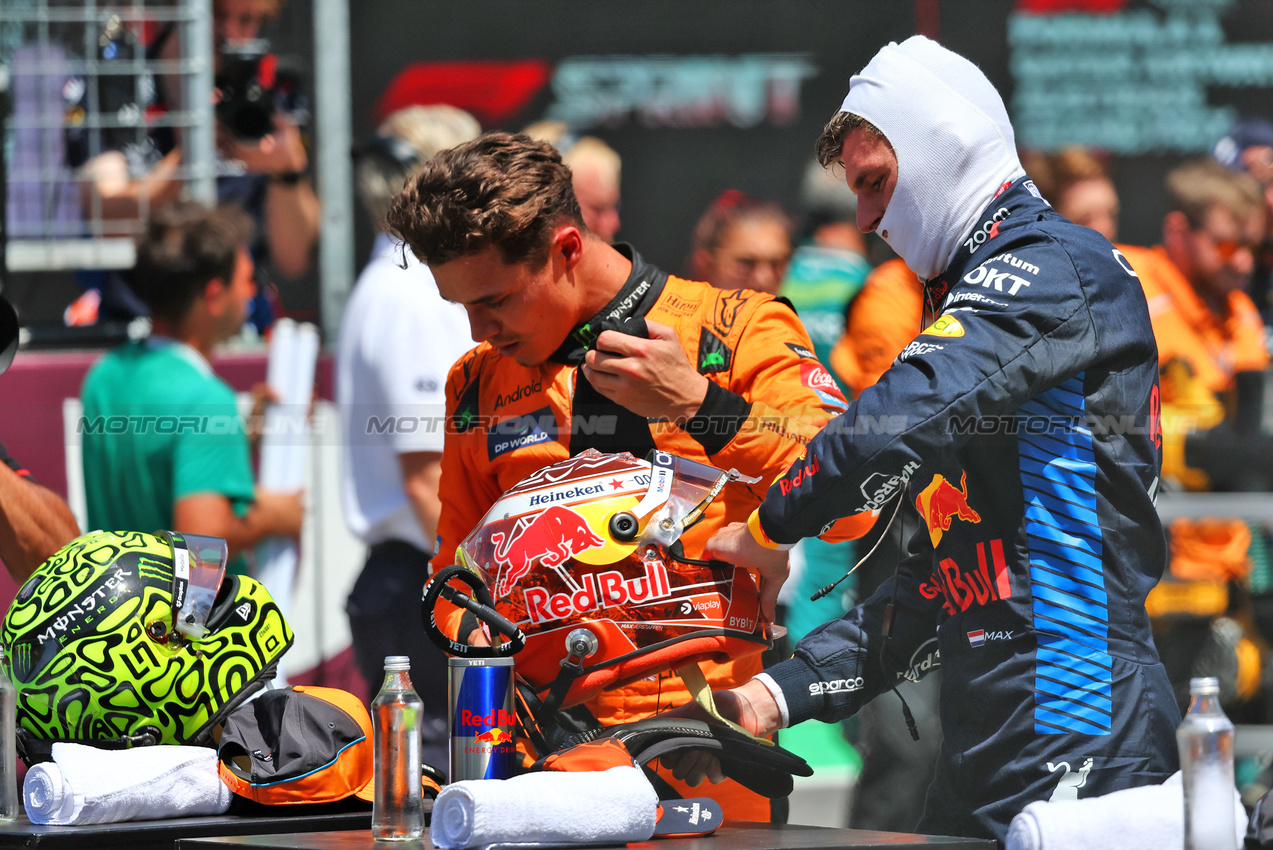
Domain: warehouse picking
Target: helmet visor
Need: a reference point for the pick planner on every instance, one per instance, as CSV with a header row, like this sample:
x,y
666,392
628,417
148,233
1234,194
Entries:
x,y
692,488
198,567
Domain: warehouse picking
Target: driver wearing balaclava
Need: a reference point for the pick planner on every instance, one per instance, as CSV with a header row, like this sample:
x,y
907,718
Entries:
x,y
1005,422
953,141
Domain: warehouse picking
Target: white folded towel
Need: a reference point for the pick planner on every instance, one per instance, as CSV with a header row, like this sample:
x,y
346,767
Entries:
x,y
84,785
1147,818
612,806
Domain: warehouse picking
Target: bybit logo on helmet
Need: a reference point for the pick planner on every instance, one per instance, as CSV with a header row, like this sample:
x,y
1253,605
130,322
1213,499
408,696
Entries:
x,y
600,590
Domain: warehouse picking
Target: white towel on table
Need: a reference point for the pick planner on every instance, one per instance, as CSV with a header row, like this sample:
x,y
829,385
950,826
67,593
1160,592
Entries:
x,y
1147,818
612,806
84,785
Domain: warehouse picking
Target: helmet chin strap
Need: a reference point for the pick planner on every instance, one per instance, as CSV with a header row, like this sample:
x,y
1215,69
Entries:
x,y
580,643
696,683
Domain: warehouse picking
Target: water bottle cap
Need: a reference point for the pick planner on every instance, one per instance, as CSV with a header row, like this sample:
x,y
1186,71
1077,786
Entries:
x,y
395,663
1204,686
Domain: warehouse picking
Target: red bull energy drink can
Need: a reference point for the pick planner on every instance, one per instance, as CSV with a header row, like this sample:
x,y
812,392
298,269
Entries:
x,y
483,725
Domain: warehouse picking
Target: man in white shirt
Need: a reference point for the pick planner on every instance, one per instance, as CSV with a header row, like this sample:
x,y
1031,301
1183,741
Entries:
x,y
398,340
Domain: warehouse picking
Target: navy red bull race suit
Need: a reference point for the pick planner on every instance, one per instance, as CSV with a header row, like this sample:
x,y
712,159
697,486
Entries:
x,y
768,397
1030,446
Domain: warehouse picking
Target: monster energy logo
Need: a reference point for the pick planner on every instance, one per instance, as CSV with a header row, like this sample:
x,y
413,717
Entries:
x,y
44,639
20,659
154,570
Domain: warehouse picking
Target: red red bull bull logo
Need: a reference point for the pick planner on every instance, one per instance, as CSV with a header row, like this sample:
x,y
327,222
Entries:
x,y
497,717
495,737
961,589
599,590
942,502
552,538
810,469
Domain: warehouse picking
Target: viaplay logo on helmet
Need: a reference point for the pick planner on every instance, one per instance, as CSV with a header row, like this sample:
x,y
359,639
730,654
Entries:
x,y
553,537
600,590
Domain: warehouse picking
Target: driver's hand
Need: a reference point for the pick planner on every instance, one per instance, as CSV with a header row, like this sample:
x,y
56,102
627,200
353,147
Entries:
x,y
478,637
693,766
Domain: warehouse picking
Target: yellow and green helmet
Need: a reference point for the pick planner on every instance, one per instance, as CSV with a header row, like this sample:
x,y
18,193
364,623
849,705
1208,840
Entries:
x,y
125,639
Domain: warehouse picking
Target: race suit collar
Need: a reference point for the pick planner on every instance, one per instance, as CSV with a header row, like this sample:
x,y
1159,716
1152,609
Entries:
x,y
639,292
1017,202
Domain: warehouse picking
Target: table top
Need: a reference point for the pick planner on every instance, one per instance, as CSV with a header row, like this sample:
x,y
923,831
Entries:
x,y
163,834
735,836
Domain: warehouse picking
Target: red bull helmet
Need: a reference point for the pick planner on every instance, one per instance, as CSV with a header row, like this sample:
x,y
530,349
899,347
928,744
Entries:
x,y
583,557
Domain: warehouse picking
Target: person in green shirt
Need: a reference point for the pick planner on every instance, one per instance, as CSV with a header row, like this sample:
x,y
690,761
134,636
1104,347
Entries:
x,y
163,444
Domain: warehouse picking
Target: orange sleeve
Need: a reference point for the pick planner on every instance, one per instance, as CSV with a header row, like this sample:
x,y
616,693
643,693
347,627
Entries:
x,y
1250,352
1190,373
1169,331
792,397
464,498
885,316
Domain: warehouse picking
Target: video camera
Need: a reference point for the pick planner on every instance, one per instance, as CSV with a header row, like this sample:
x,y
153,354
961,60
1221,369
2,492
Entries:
x,y
254,84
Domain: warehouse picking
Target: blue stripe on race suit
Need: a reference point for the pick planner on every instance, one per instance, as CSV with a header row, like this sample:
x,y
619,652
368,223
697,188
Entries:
x,y
1073,679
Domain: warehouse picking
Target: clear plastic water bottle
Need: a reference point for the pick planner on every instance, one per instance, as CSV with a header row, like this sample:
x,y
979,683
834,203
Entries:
x,y
397,812
1205,739
8,743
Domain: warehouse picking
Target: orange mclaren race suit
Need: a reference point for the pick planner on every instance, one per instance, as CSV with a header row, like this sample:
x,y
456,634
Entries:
x,y
1199,353
768,396
883,318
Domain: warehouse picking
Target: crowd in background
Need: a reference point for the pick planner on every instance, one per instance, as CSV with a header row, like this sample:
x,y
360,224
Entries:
x,y
1208,286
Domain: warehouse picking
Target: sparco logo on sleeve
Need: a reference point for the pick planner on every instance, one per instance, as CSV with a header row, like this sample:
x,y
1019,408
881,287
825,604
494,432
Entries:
x,y
836,686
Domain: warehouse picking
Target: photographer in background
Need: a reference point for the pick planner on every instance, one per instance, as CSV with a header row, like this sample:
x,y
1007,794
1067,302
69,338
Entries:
x,y
262,164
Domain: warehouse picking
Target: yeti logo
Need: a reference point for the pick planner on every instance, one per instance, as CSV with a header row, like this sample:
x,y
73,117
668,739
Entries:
x,y
1071,782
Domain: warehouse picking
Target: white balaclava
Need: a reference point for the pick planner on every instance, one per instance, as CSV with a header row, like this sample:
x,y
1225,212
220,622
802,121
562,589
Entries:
x,y
953,140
